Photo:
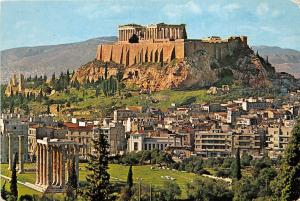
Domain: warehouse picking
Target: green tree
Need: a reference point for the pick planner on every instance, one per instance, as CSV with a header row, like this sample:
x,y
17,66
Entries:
x,y
208,190
287,184
72,182
170,191
13,181
129,177
97,92
68,77
98,185
53,78
105,71
48,108
4,193
235,168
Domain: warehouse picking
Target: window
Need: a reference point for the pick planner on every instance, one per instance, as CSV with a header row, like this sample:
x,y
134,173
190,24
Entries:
x,y
145,146
135,146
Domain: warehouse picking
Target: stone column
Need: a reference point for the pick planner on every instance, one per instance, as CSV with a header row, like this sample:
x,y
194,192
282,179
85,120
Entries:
x,y
77,163
21,155
37,178
178,33
57,167
41,154
49,166
62,168
45,165
69,169
54,161
10,151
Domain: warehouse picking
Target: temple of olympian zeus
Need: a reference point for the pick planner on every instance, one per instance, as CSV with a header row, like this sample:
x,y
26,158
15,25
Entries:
x,y
53,156
12,140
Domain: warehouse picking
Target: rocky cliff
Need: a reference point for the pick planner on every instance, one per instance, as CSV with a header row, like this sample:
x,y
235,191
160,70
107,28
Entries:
x,y
199,70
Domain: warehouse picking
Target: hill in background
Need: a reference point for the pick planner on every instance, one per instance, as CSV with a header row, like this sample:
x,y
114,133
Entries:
x,y
49,59
284,60
56,58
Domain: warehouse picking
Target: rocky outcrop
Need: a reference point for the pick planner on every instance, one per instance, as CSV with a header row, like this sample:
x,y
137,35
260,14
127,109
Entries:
x,y
198,70
94,70
190,72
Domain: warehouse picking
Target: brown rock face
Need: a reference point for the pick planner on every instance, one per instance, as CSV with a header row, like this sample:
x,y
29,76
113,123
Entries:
x,y
200,69
94,70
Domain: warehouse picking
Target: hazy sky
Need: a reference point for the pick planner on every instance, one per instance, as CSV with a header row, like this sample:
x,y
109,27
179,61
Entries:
x,y
265,22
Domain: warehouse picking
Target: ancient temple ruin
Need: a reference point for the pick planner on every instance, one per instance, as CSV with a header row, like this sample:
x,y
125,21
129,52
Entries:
x,y
161,43
54,160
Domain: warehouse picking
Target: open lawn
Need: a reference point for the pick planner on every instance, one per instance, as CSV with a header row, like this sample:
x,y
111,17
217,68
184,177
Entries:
x,y
118,174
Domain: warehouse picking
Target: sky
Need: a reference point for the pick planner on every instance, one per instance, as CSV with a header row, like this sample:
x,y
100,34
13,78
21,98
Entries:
x,y
34,23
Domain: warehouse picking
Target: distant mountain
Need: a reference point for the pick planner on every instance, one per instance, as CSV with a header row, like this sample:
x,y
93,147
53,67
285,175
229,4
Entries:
x,y
284,60
42,60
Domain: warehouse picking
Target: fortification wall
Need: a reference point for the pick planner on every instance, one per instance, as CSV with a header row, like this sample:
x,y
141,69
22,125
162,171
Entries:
x,y
217,50
165,51
135,53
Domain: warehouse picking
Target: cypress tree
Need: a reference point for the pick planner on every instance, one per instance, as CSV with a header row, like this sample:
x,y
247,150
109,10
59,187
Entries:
x,y
13,181
97,92
105,71
4,193
68,77
53,78
236,166
129,177
98,186
128,188
72,182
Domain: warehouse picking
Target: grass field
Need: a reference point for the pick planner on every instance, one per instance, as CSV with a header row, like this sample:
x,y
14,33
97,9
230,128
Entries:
x,y
118,173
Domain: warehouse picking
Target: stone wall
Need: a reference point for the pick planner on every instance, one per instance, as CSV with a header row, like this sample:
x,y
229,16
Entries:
x,y
129,54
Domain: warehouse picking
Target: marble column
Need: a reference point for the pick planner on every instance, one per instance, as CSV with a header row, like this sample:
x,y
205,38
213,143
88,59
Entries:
x,y
45,165
49,166
41,164
21,153
37,177
57,167
53,165
10,150
62,168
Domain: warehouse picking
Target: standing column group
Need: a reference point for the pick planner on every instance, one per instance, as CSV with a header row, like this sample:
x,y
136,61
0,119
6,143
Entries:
x,y
50,166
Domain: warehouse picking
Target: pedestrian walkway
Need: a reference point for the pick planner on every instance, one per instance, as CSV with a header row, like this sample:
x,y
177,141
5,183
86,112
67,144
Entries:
x,y
27,184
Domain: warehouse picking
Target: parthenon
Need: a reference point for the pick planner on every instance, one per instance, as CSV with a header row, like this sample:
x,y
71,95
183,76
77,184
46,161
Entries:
x,y
52,157
154,31
161,43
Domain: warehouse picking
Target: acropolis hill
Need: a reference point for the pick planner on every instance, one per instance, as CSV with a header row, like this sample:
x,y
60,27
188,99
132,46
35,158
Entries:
x,y
160,56
162,43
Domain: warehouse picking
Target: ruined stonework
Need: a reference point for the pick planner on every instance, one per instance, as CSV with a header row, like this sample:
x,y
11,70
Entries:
x,y
54,161
15,85
159,57
162,43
